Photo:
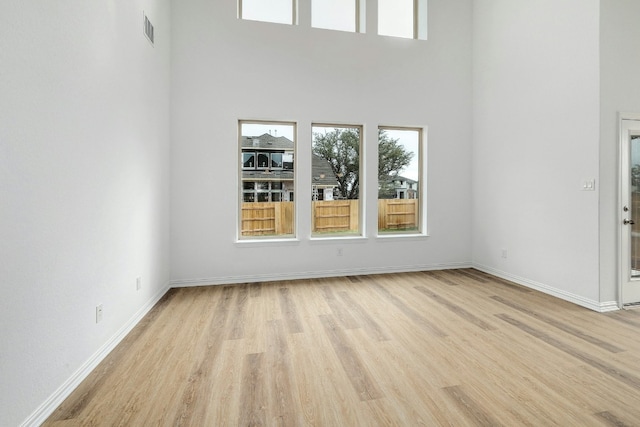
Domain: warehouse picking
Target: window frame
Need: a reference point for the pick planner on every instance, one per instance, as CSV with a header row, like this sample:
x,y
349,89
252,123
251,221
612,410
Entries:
x,y
419,21
421,215
360,232
259,191
359,17
294,14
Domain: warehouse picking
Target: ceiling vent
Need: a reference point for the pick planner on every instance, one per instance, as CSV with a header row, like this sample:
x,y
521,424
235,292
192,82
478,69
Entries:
x,y
148,29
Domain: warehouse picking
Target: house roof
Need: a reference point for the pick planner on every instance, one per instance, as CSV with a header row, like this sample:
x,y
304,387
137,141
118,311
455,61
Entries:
x,y
267,142
322,174
402,178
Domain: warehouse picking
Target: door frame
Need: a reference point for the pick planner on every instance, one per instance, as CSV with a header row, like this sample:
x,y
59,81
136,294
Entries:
x,y
623,163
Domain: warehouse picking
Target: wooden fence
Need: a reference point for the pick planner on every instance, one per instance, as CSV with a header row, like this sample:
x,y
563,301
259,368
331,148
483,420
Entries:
x,y
397,214
277,218
335,216
264,219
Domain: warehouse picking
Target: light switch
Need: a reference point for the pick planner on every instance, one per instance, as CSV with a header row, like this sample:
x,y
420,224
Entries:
x,y
589,185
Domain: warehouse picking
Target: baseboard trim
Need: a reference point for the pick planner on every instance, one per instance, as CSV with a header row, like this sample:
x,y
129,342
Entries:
x,y
225,280
41,414
600,307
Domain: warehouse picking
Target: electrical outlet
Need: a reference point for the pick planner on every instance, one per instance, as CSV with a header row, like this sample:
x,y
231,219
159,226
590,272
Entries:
x,y
504,253
98,313
339,253
138,283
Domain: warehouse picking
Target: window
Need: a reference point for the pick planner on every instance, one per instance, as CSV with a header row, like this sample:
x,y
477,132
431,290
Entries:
x,y
335,180
403,18
248,160
278,11
267,151
335,14
399,180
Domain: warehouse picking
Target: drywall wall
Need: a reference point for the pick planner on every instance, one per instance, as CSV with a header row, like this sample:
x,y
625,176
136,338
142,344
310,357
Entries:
x,y
536,139
620,92
84,187
225,69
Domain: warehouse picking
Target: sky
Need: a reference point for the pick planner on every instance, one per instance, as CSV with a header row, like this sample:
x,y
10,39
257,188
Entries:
x,y
395,16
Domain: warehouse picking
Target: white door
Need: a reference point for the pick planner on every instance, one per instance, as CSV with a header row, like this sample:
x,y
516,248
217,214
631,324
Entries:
x,y
630,211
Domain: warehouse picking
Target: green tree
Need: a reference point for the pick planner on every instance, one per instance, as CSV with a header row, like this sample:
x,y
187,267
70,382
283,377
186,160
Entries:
x,y
392,158
341,148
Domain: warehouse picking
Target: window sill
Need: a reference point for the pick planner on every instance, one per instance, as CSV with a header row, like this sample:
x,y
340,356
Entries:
x,y
355,239
257,243
400,236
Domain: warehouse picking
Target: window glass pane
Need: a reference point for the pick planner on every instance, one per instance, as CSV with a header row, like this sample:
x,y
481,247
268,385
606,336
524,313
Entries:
x,y
334,14
335,180
395,18
248,160
263,160
267,208
278,11
399,180
287,160
276,160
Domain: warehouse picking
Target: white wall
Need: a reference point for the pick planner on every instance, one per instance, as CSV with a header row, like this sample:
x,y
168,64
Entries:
x,y
225,69
620,92
536,138
84,185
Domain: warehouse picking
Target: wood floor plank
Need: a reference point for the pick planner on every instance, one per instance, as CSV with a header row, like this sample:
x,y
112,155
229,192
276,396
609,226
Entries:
x,y
281,378
254,398
369,323
560,325
360,378
470,408
625,377
339,311
290,312
406,310
611,420
456,309
426,348
442,277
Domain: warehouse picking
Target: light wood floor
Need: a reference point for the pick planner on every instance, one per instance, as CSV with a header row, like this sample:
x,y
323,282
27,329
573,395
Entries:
x,y
457,348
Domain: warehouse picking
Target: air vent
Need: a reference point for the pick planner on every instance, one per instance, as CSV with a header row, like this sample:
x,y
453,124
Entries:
x,y
148,29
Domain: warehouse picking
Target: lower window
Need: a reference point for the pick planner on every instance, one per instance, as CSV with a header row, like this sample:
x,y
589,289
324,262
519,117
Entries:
x,y
335,180
399,180
267,152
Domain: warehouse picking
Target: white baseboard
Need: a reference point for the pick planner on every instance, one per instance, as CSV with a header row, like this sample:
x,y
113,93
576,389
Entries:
x,y
40,415
181,283
558,293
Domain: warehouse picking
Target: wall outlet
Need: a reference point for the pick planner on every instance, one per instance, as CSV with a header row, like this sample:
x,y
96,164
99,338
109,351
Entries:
x,y
98,313
138,283
504,254
339,253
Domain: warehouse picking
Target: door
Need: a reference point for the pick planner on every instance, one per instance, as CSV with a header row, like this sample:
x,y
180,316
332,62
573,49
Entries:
x,y
630,211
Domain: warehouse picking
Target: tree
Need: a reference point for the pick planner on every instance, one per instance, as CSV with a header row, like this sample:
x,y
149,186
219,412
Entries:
x,y
341,148
392,158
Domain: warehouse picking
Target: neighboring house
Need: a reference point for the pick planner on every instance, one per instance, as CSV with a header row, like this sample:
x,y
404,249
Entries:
x,y
268,171
405,188
323,180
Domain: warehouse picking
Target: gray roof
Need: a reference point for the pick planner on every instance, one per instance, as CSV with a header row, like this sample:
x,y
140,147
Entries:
x,y
402,178
322,174
267,142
